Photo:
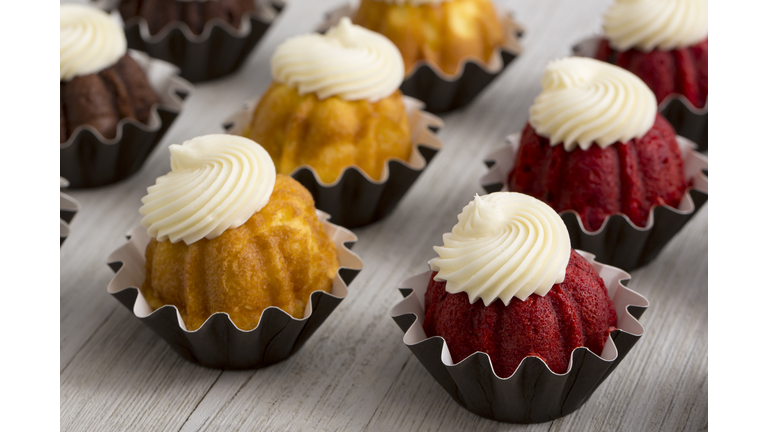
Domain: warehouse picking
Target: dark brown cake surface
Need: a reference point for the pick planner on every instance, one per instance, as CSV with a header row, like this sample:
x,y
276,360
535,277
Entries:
x,y
195,14
103,99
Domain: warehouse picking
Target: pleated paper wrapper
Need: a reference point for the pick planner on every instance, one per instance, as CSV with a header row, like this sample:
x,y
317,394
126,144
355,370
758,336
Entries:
x,y
618,242
439,91
533,394
219,343
355,199
87,159
68,206
218,51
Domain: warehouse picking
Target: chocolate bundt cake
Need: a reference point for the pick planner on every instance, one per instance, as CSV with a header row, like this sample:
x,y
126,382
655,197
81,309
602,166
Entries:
x,y
627,178
683,71
443,32
102,99
574,313
195,14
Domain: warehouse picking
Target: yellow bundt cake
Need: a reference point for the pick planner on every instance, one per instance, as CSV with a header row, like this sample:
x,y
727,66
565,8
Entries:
x,y
330,134
443,32
277,257
334,103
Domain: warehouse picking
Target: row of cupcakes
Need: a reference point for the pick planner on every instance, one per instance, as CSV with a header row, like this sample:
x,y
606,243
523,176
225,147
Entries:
x,y
170,219
468,44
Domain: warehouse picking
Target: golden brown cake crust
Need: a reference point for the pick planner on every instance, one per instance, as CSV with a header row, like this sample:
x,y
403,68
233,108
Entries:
x,y
445,34
330,134
277,258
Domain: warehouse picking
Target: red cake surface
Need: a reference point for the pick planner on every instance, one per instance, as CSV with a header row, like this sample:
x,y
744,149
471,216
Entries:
x,y
625,178
683,71
575,313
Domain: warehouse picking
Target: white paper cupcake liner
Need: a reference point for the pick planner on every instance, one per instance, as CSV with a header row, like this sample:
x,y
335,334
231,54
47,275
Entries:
x,y
68,206
618,242
355,199
87,159
218,343
439,91
218,51
533,394
688,121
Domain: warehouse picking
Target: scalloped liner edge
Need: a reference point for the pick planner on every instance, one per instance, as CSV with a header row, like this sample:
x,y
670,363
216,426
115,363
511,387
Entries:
x,y
497,162
170,101
634,304
511,45
138,239
422,136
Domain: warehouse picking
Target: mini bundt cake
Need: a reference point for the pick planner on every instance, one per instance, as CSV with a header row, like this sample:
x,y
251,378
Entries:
x,y
625,178
229,262
575,313
670,55
539,297
595,144
194,13
100,84
334,104
330,134
444,32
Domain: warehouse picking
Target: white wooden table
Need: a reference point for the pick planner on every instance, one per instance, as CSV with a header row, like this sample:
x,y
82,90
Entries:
x,y
355,373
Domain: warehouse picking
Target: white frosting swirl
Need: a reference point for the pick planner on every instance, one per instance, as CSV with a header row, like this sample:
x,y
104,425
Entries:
x,y
413,2
648,24
90,41
505,245
216,182
349,61
585,100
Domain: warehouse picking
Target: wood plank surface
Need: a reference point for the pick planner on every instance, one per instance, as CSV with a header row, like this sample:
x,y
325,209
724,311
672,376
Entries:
x,y
355,373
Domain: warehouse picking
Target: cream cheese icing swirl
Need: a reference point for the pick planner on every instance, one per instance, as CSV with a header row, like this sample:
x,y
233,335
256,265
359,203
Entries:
x,y
651,24
505,245
349,61
216,182
585,101
89,41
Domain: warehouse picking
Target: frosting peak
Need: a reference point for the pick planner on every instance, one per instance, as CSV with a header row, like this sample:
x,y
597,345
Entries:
x,y
651,24
89,41
585,100
349,61
216,182
504,245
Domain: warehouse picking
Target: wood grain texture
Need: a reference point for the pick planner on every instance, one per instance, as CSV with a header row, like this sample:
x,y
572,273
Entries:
x,y
355,373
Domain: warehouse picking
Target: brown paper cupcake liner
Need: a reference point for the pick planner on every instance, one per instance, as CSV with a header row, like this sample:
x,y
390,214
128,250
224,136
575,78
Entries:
x,y
355,199
688,121
533,394
439,91
218,343
87,159
68,206
618,242
218,51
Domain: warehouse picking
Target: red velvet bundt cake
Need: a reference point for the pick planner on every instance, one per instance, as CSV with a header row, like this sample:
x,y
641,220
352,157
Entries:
x,y
651,40
596,144
622,178
99,83
575,313
194,13
539,297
